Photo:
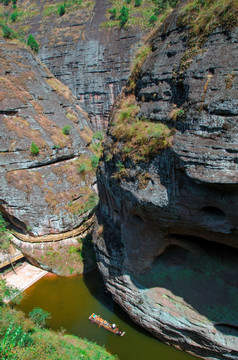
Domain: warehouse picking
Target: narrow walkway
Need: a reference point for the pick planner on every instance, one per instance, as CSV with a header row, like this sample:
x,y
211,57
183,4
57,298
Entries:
x,y
25,276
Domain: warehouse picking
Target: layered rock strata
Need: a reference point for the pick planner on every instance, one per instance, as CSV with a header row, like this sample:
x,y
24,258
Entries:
x,y
92,61
42,190
167,238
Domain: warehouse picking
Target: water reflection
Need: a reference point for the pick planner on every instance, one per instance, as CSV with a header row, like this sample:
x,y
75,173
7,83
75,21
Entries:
x,y
70,302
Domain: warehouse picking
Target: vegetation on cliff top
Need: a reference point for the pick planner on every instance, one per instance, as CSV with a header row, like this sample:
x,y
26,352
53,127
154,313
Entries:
x,y
200,18
18,18
139,13
140,138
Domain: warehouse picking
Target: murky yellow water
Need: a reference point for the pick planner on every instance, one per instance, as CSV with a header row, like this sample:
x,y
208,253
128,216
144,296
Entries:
x,y
70,302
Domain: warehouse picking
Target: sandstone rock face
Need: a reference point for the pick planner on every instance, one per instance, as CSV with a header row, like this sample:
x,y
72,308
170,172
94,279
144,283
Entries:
x,y
94,62
168,253
41,193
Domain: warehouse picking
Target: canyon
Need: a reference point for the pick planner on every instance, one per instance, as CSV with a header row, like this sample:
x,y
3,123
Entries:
x,y
166,231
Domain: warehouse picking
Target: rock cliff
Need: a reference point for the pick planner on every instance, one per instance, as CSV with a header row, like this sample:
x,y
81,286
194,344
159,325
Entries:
x,y
167,239
94,62
95,66
45,163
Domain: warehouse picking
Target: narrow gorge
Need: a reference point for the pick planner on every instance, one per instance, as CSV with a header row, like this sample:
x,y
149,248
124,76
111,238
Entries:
x,y
137,137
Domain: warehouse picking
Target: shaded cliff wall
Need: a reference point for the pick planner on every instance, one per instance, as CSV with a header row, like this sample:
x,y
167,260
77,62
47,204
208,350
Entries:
x,y
167,236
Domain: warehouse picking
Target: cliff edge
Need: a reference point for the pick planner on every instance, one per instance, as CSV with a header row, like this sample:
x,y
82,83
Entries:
x,y
167,235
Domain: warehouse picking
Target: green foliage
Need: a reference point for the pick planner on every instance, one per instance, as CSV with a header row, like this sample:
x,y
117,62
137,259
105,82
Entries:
x,y
161,5
124,17
202,17
39,316
14,16
7,32
34,149
120,166
65,129
152,20
72,250
8,293
128,1
140,57
3,225
61,10
6,2
21,339
113,13
32,43
94,161
145,138
82,168
98,135
92,202
14,336
137,3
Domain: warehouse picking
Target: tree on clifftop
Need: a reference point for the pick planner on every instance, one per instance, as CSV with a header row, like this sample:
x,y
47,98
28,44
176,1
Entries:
x,y
124,17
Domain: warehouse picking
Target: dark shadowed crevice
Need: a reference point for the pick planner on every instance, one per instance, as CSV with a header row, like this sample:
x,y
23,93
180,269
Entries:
x,y
53,161
13,221
213,214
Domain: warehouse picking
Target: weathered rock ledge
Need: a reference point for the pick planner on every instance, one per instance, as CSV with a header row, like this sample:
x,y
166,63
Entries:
x,y
167,238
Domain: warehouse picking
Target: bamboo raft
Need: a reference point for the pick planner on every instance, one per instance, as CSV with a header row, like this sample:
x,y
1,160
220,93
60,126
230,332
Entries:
x,y
101,322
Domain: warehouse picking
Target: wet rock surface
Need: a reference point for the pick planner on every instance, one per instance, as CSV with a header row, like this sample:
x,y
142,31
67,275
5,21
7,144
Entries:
x,y
167,246
40,193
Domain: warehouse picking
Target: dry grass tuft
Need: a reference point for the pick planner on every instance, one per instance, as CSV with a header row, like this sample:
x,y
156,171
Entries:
x,y
60,88
141,138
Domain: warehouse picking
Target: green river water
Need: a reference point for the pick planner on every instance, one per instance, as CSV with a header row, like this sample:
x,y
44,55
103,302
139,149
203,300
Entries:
x,y
71,300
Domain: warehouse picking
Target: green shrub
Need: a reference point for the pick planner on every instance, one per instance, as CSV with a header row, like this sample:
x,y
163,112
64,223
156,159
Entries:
x,y
152,20
82,168
7,32
3,224
33,44
66,129
72,250
14,336
161,6
8,292
128,1
94,161
124,17
61,10
173,3
34,149
113,13
39,316
137,3
92,202
6,2
14,16
98,135
120,166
